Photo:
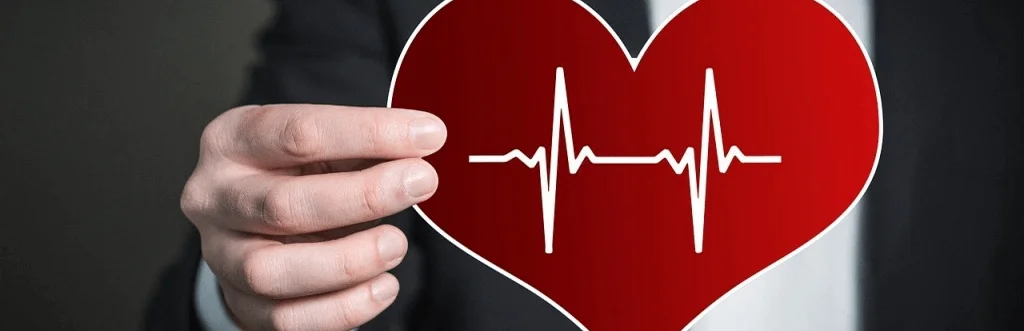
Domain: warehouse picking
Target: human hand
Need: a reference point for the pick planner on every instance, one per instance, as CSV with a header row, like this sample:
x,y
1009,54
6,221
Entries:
x,y
284,198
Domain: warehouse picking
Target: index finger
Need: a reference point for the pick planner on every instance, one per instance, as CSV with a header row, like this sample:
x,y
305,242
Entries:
x,y
289,135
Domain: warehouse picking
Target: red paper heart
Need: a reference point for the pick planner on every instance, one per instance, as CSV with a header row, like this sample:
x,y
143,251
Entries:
x,y
790,80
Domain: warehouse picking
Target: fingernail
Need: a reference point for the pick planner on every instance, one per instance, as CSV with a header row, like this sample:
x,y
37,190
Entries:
x,y
419,181
427,133
384,289
390,246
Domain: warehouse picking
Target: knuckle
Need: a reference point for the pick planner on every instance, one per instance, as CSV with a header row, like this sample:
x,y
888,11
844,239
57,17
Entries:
x,y
213,135
218,132
260,274
348,269
300,137
194,200
376,134
280,209
374,205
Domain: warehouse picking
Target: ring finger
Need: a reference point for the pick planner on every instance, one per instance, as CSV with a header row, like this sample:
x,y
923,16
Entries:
x,y
340,310
279,271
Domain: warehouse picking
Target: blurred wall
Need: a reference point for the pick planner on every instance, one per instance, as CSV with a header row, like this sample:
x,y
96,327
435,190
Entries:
x,y
101,106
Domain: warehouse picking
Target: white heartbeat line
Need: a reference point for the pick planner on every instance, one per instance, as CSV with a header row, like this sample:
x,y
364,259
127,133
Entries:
x,y
549,166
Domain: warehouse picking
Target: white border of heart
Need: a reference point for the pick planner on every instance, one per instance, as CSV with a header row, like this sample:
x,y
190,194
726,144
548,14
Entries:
x,y
634,62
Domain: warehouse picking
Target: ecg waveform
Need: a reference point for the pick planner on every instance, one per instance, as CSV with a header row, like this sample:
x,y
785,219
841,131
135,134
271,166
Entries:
x,y
698,187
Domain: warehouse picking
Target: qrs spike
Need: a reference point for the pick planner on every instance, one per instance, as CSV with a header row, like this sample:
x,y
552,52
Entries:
x,y
697,177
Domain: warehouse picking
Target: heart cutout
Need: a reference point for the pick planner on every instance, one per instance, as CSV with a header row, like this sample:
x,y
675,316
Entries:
x,y
610,235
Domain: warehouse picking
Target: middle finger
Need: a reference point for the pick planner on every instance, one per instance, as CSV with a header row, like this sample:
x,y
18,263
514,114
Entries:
x,y
275,205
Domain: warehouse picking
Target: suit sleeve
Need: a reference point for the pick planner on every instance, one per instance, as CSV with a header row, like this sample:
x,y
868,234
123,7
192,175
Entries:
x,y
312,51
171,307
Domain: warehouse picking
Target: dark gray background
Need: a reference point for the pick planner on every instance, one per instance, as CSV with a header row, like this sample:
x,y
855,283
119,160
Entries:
x,y
101,106
102,103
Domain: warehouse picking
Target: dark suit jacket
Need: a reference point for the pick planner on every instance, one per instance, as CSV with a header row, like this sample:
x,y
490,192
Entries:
x,y
944,240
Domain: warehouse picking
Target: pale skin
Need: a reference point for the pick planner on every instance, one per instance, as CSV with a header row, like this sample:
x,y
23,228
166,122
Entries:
x,y
285,198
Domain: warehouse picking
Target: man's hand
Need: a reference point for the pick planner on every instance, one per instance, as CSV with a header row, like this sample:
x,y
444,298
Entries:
x,y
284,196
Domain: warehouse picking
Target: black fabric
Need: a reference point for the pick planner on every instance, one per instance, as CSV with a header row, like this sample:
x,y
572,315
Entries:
x,y
943,237
629,19
172,308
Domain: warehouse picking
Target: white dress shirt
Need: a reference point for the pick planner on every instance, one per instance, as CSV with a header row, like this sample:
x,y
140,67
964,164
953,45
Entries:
x,y
815,289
